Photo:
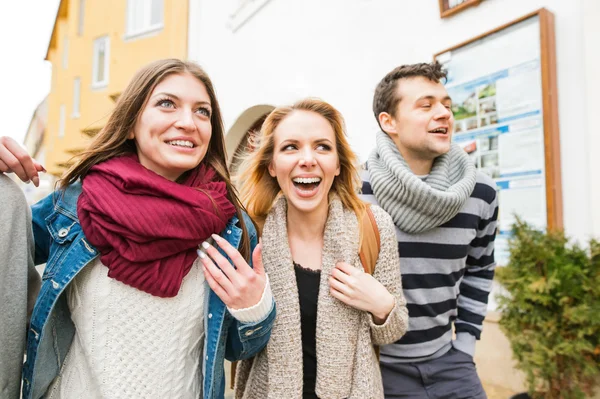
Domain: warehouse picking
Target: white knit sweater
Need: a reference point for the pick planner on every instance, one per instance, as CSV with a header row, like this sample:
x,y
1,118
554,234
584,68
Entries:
x,y
129,344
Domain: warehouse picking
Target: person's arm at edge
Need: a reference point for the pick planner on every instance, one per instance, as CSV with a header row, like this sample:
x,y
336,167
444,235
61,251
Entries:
x,y
476,285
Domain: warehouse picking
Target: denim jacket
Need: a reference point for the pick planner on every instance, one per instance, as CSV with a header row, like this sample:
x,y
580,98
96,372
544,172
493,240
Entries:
x,y
61,244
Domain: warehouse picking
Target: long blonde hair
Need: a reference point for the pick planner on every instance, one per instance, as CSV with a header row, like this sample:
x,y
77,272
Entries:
x,y
258,189
112,140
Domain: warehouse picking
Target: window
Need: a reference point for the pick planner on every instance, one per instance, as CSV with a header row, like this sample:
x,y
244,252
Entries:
x,y
65,53
81,15
100,62
144,16
76,97
62,120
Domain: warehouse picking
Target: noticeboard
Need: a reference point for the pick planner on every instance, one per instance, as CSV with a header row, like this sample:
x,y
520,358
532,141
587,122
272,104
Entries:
x,y
503,89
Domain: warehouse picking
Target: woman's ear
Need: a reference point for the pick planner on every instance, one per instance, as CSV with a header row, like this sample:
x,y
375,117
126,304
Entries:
x,y
272,169
131,135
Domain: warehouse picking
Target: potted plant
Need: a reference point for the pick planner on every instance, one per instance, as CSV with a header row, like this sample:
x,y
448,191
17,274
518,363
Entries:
x,y
551,311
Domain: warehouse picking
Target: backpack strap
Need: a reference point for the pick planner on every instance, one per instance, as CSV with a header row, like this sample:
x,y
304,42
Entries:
x,y
371,242
370,246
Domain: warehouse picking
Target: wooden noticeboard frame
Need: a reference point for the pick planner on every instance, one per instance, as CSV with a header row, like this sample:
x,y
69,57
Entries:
x,y
554,204
445,11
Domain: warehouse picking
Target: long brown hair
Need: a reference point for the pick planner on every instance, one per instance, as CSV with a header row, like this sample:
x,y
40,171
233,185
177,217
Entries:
x,y
258,189
112,140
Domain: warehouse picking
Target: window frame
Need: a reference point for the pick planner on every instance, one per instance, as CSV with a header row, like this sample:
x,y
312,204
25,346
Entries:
x,y
101,83
81,16
65,52
137,7
76,98
62,120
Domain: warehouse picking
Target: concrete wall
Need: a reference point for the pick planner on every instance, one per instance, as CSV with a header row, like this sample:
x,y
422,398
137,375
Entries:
x,y
591,48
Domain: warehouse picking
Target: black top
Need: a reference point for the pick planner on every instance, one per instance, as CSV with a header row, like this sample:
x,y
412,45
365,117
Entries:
x,y
308,292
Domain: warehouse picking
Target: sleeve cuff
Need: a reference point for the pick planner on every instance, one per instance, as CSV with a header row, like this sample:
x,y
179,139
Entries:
x,y
257,312
465,342
392,329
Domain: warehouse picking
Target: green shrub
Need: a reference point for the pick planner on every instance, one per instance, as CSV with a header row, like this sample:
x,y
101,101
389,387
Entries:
x,y
551,311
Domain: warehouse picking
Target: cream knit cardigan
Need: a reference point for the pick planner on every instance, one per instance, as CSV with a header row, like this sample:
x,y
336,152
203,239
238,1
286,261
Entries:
x,y
347,366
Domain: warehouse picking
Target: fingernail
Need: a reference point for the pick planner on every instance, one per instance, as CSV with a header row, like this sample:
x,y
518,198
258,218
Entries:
x,y
36,181
216,237
201,254
205,245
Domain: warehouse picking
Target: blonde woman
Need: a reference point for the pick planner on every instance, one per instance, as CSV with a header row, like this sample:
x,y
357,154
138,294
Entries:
x,y
301,188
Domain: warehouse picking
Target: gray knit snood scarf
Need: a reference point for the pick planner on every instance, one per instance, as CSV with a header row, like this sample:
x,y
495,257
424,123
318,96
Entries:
x,y
419,205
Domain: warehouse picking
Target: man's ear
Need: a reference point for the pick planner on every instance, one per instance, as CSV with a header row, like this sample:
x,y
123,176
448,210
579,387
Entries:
x,y
387,122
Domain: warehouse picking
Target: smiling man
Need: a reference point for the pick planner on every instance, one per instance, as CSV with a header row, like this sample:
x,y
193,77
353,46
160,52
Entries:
x,y
445,214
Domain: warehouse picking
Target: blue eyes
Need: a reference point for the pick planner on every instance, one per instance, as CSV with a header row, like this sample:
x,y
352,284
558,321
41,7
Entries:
x,y
165,104
204,111
320,147
169,104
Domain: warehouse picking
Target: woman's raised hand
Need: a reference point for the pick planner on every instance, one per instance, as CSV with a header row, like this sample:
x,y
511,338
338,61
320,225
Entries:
x,y
239,287
360,290
15,159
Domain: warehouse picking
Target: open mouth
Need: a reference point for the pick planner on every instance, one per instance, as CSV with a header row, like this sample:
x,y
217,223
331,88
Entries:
x,y
439,130
306,183
181,143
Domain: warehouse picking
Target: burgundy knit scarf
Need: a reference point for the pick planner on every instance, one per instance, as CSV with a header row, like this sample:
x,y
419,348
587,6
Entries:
x,y
146,227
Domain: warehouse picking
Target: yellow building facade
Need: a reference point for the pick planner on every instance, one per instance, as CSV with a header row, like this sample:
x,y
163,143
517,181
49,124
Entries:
x,y
95,48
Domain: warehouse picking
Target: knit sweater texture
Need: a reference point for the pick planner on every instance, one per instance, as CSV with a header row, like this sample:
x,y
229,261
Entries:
x,y
130,344
416,205
347,366
447,274
19,284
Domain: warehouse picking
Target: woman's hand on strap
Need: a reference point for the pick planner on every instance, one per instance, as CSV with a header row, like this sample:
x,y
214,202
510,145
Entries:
x,y
360,290
15,159
239,287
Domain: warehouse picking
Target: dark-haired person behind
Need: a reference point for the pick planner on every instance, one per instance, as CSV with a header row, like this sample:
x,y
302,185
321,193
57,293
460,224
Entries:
x,y
445,214
125,310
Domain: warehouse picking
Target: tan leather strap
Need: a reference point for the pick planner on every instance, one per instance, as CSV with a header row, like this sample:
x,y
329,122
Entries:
x,y
370,246
371,242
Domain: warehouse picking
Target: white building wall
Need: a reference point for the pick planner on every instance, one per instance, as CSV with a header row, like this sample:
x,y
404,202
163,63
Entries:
x,y
339,49
591,33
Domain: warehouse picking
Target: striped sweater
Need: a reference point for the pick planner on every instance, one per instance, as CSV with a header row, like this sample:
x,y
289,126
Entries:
x,y
447,276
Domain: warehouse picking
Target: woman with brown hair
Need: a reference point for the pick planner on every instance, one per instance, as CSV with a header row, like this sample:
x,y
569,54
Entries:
x,y
124,310
300,185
